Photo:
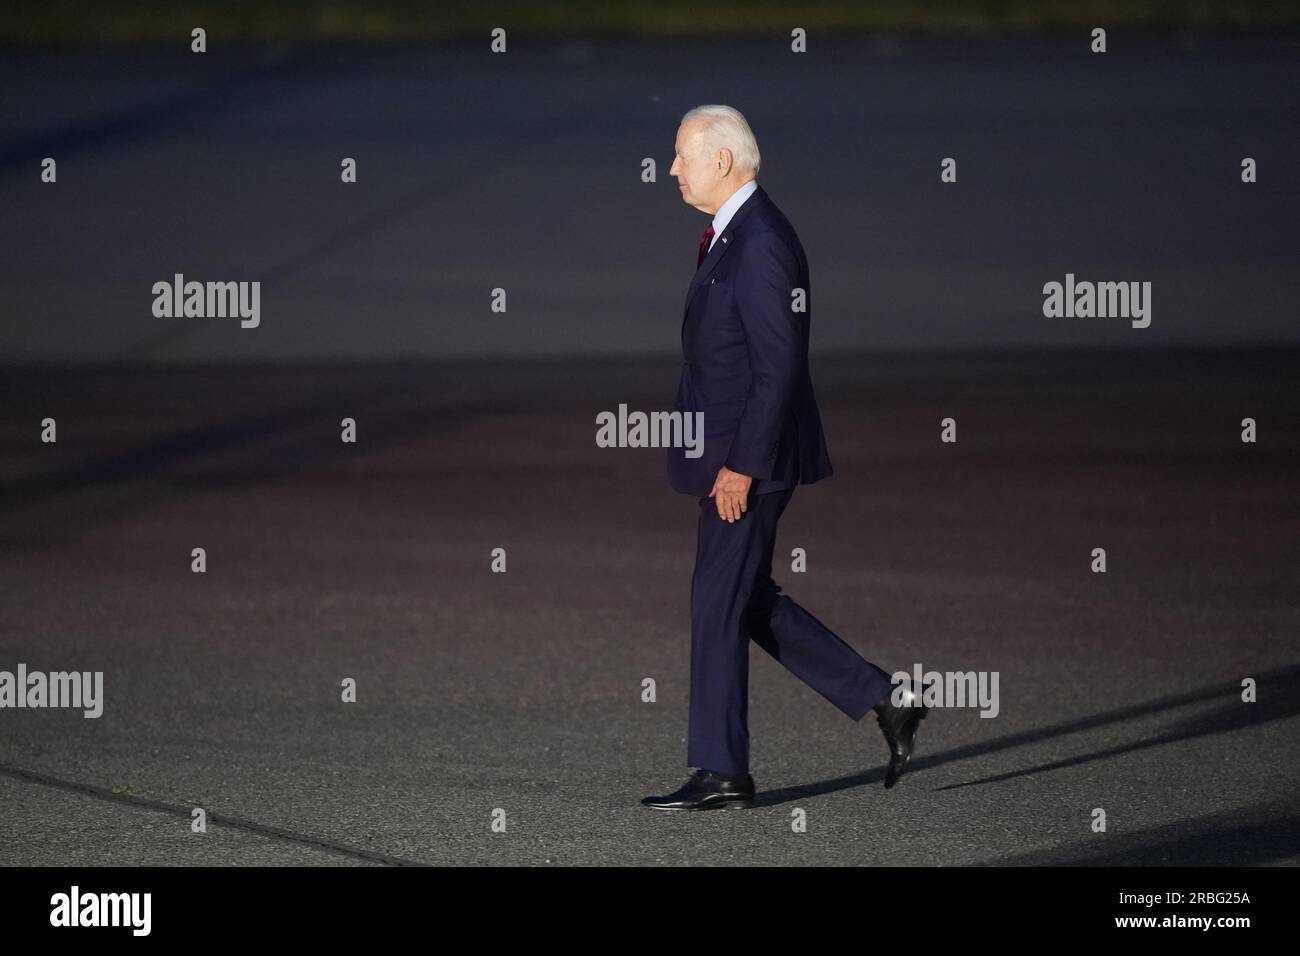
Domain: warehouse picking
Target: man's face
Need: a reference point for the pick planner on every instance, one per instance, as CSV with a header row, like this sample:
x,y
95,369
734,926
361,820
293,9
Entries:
x,y
696,168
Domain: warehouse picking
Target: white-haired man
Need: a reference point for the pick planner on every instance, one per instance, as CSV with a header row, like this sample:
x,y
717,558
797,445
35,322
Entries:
x,y
745,344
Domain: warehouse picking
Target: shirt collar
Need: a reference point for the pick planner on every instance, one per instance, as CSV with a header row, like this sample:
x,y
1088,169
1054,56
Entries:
x,y
728,208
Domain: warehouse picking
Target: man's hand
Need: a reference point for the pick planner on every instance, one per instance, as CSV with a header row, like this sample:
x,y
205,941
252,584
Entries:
x,y
731,493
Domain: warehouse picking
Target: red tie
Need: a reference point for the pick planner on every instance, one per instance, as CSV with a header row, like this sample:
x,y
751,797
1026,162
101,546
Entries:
x,y
704,245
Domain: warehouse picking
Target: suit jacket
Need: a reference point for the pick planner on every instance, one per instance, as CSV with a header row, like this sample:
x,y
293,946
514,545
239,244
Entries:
x,y
745,359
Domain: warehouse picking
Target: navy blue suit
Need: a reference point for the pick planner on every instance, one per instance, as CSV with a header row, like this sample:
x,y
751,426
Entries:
x,y
746,359
746,368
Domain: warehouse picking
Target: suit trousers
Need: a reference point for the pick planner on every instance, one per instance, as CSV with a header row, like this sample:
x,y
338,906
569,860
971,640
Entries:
x,y
734,600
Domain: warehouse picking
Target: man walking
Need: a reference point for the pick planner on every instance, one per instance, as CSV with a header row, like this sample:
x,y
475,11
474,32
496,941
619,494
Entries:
x,y
745,345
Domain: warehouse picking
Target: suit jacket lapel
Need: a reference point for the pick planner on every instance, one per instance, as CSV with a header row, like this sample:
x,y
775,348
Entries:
x,y
720,246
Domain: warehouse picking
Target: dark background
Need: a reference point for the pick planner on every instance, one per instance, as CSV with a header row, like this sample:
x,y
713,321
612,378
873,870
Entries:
x,y
476,430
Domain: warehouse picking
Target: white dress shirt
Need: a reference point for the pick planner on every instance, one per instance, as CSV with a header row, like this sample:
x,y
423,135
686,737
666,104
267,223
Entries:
x,y
728,209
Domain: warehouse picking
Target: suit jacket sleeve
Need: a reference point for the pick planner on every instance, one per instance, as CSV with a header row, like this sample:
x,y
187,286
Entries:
x,y
767,275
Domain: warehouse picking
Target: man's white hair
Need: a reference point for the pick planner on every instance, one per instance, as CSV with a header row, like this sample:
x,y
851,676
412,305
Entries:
x,y
726,128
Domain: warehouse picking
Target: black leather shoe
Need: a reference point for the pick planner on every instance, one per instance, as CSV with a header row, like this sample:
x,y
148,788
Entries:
x,y
706,790
900,725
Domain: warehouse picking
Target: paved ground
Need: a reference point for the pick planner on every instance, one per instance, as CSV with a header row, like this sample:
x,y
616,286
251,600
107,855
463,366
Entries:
x,y
522,691
523,172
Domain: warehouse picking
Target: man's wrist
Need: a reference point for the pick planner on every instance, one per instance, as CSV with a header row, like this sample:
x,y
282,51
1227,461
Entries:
x,y
751,470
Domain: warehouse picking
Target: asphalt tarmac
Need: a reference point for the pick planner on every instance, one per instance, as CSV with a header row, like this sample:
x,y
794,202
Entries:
x,y
524,172
521,691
